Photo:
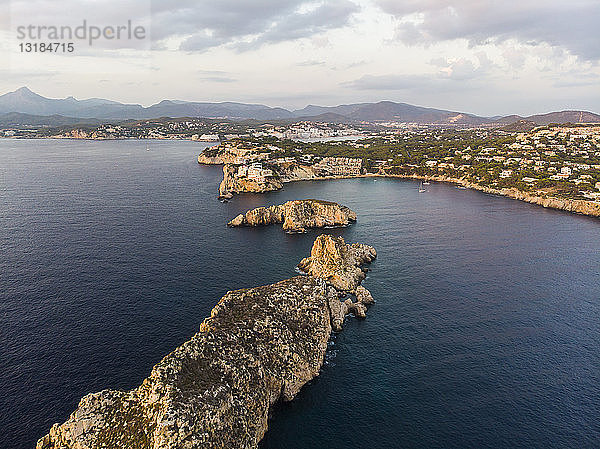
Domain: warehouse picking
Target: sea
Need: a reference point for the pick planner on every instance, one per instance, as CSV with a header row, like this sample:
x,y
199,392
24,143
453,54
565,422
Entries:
x,y
484,334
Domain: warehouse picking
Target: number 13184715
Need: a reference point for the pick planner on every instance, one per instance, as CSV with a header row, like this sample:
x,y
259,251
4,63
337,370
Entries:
x,y
46,47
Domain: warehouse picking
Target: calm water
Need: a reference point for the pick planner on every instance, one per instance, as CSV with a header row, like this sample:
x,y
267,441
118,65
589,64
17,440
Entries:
x,y
484,334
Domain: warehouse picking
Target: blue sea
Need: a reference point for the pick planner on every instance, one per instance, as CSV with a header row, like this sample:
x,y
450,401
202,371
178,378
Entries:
x,y
485,333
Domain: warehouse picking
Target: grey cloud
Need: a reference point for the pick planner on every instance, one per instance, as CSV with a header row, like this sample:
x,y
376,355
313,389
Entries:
x,y
578,79
216,76
571,25
246,25
390,82
310,63
218,79
455,76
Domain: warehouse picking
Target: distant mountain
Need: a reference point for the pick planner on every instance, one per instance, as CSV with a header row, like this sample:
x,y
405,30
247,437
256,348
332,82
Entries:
x,y
24,101
390,111
27,102
553,117
20,120
565,117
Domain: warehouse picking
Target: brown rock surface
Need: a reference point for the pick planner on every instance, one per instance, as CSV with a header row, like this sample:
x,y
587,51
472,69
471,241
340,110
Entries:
x,y
233,184
298,215
337,262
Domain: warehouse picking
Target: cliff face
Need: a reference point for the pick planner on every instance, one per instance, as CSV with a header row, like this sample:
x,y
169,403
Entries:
x,y
209,160
259,345
338,263
577,206
298,215
232,184
219,154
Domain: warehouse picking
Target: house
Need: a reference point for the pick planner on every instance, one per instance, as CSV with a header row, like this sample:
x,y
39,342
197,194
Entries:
x,y
340,166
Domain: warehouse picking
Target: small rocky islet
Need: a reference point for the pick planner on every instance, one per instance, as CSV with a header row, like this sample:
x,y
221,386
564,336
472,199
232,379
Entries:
x,y
298,215
259,346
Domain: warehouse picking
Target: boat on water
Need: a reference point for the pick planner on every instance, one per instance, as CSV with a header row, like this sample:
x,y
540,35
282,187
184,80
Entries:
x,y
421,188
426,183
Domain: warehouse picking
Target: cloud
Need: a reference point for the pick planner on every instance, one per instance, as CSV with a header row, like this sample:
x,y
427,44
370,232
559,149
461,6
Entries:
x,y
246,25
571,25
453,75
218,79
390,82
312,63
216,76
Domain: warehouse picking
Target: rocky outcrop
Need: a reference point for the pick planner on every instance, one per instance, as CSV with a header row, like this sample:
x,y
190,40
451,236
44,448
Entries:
x,y
337,262
298,215
339,265
233,184
221,154
258,346
205,159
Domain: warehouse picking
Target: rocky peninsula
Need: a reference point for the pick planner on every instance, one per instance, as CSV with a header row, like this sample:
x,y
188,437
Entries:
x,y
234,184
298,215
259,346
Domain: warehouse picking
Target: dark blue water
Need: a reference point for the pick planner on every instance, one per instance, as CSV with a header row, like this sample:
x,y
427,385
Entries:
x,y
484,334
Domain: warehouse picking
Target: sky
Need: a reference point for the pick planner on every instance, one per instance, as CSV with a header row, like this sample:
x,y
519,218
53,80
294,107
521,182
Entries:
x,y
486,57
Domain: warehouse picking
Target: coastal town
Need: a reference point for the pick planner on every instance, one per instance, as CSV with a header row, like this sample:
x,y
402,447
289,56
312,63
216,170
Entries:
x,y
552,161
190,128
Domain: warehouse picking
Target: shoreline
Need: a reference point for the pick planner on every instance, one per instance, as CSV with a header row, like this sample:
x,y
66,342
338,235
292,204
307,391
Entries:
x,y
581,207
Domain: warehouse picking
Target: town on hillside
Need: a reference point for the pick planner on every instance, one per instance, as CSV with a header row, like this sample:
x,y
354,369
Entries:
x,y
559,161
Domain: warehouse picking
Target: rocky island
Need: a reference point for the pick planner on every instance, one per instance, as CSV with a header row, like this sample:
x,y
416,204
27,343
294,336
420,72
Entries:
x,y
259,346
298,215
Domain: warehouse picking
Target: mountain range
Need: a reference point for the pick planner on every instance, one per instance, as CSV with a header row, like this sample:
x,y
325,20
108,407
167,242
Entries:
x,y
26,107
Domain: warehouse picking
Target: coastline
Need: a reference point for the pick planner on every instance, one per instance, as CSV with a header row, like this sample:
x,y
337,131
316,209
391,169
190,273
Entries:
x,y
582,207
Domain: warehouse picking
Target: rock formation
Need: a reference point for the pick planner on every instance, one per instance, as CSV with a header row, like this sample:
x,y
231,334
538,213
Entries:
x,y
338,263
298,215
258,346
221,154
232,184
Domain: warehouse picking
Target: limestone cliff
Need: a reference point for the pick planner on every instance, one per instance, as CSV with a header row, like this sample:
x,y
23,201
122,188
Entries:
x,y
338,263
258,346
232,184
220,154
298,215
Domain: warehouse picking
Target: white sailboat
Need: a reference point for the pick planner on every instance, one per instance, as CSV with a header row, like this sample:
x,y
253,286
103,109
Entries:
x,y
421,188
